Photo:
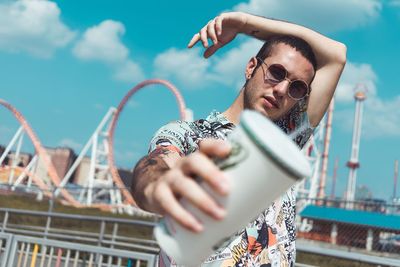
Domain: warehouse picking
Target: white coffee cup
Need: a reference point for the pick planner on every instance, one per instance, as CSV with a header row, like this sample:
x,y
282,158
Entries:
x,y
263,165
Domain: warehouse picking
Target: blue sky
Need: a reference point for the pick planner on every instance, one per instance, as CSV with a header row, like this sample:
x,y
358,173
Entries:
x,y
64,63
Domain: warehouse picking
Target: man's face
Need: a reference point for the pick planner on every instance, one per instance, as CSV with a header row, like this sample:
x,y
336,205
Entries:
x,y
271,99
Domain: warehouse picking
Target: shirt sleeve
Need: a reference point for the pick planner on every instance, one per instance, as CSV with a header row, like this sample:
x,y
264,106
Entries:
x,y
174,136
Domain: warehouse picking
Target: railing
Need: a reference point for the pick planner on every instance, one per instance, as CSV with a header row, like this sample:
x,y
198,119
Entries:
x,y
22,250
111,232
5,244
45,244
77,192
316,248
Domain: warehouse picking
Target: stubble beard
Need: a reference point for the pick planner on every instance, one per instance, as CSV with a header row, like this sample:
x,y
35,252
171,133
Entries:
x,y
251,100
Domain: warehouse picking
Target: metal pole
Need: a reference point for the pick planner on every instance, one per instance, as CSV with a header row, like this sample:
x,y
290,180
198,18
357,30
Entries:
x,y
101,237
325,154
15,159
396,175
12,142
334,178
5,220
50,210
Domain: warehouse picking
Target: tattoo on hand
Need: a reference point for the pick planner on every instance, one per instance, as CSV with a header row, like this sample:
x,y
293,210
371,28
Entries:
x,y
152,159
152,163
147,170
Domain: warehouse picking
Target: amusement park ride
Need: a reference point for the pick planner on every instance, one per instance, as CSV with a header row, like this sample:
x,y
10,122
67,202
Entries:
x,y
104,187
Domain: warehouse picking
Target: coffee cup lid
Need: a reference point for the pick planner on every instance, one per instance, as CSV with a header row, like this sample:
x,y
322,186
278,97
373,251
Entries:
x,y
275,144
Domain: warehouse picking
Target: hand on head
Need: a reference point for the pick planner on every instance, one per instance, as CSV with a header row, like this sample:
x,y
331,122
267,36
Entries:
x,y
221,30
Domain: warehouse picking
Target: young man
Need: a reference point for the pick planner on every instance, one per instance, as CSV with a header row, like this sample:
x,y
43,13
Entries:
x,y
291,81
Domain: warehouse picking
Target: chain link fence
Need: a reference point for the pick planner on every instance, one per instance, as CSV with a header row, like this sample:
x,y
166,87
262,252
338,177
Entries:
x,y
369,227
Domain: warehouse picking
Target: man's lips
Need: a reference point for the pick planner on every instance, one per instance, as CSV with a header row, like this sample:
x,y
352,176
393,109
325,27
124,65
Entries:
x,y
270,102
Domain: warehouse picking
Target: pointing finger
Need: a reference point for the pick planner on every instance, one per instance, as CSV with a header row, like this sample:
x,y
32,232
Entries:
x,y
194,40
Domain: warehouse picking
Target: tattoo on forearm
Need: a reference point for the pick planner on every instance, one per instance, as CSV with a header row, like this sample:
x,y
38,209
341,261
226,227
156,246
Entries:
x,y
153,162
147,170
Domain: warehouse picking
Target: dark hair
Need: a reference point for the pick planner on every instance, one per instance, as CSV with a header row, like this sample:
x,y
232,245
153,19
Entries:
x,y
299,44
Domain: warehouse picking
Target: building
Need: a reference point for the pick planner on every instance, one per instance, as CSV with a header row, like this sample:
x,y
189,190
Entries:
x,y
8,174
62,159
82,173
351,228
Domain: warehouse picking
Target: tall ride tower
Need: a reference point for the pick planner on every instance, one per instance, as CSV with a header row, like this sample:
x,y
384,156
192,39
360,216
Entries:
x,y
396,176
353,163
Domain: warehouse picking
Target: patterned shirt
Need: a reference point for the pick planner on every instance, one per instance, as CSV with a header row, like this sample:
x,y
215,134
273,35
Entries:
x,y
269,240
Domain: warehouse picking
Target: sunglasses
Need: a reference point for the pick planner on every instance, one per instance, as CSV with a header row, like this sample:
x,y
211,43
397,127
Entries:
x,y
276,73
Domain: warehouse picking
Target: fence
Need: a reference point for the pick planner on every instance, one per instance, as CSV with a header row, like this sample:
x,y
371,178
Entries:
x,y
5,244
107,232
367,228
104,203
355,237
108,242
30,251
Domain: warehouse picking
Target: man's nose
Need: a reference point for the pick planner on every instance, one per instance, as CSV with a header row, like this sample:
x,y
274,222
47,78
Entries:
x,y
282,87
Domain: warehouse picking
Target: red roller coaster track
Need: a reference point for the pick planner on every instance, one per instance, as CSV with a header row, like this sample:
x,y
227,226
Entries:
x,y
114,172
42,154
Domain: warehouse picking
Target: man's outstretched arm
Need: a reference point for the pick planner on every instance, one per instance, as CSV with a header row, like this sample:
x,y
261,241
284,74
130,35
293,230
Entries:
x,y
161,178
147,171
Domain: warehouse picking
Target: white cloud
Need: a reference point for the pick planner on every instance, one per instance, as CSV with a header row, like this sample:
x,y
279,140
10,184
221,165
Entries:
x,y
324,16
381,117
354,74
395,3
32,26
129,72
66,142
230,67
102,43
187,67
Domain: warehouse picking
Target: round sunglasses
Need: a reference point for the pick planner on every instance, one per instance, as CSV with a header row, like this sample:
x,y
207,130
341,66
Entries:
x,y
276,73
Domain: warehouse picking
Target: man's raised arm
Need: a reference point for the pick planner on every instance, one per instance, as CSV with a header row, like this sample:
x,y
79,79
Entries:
x,y
330,54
